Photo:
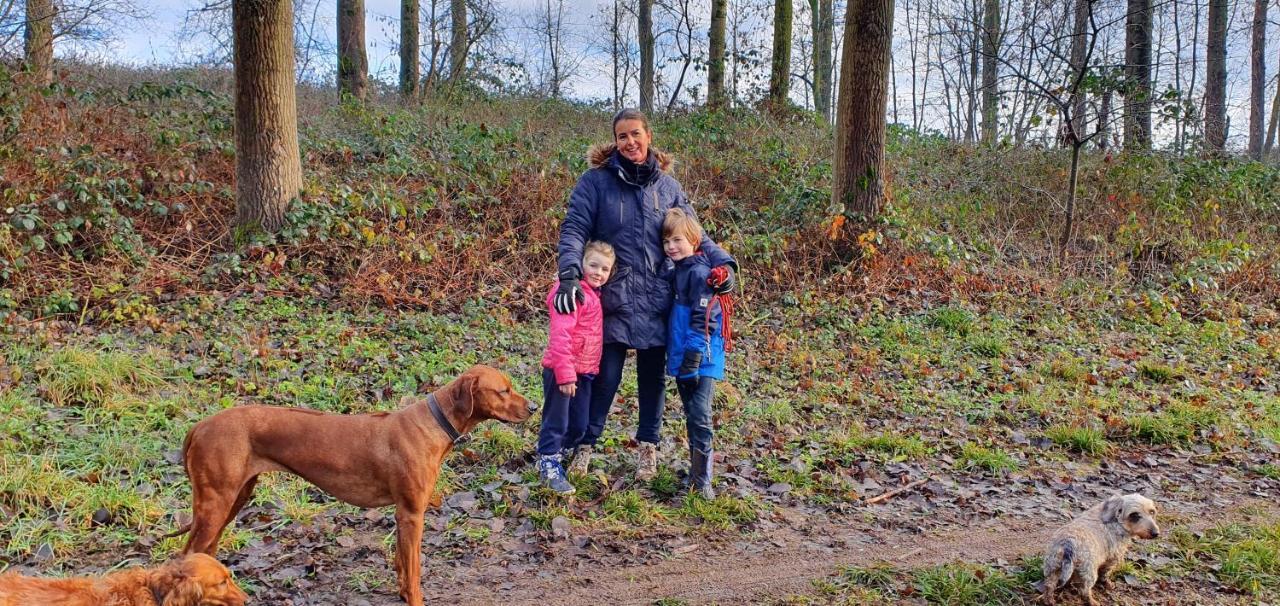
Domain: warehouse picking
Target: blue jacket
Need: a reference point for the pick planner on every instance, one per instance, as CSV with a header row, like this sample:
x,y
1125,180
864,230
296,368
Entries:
x,y
605,206
691,327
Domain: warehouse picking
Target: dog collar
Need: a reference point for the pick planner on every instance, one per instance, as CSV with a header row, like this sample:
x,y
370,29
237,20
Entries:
x,y
443,421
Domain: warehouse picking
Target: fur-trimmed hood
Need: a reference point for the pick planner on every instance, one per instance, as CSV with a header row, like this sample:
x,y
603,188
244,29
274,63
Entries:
x,y
599,153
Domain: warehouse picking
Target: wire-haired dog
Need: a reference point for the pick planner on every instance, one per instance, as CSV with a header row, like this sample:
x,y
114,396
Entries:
x,y
1091,545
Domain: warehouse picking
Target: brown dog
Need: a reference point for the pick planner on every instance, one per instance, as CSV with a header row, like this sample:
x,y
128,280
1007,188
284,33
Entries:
x,y
1090,546
193,580
368,460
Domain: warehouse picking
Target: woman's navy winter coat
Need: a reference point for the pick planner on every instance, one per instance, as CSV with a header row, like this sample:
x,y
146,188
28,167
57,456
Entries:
x,y
606,206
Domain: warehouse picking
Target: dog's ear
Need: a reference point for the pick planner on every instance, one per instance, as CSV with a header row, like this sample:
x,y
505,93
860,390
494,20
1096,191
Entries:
x,y
1111,509
179,585
469,386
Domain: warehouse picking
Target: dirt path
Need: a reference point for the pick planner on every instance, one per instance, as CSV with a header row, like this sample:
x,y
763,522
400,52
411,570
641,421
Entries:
x,y
772,566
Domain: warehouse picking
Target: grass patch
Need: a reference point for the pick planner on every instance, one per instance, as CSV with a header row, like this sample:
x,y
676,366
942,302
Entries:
x,y
722,512
1177,424
954,321
1245,557
988,344
77,376
1077,438
631,507
992,459
665,483
1156,372
1066,367
960,583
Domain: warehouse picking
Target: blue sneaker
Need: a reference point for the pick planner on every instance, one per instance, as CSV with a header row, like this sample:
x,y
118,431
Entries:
x,y
552,475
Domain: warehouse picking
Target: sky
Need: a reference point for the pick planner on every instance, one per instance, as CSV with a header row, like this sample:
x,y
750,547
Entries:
x,y
155,42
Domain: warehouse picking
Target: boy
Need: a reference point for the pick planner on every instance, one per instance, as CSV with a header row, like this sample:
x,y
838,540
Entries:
x,y
695,340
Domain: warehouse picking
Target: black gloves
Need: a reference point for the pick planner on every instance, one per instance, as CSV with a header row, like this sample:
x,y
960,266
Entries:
x,y
569,293
690,365
726,282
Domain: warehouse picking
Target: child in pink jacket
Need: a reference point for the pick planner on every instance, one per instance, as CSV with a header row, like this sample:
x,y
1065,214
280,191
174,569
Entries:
x,y
574,343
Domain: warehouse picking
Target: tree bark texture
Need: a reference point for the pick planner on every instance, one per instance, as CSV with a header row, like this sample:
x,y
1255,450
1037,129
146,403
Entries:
x,y
458,42
353,66
268,167
1079,42
37,41
1215,84
823,26
990,69
860,127
1258,79
780,71
1137,67
410,71
644,21
716,97
1271,127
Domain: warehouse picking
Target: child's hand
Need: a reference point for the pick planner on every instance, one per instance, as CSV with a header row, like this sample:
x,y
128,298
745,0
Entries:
x,y
569,389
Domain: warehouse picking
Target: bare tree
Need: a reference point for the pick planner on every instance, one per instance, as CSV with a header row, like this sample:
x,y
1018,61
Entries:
x,y
1079,38
644,23
1258,78
780,74
206,37
353,64
715,62
990,68
268,166
409,49
1215,93
37,47
823,26
858,185
1137,59
458,41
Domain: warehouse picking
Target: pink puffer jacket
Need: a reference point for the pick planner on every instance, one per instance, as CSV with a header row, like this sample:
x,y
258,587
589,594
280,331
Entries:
x,y
575,340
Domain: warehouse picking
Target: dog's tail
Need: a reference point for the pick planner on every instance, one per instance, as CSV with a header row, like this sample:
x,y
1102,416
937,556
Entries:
x,y
1067,563
179,532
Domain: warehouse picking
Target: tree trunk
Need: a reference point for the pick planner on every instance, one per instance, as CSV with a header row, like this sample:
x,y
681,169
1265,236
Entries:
x,y
1104,121
644,22
1215,84
1079,42
823,25
268,168
715,64
1271,128
1258,82
1068,224
1137,60
458,42
37,38
780,73
858,186
353,67
990,69
409,69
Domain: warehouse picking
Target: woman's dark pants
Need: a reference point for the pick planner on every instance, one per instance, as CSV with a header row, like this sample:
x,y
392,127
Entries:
x,y
651,387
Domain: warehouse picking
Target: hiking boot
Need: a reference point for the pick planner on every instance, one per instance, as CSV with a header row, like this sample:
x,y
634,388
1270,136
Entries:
x,y
647,463
552,475
700,473
581,462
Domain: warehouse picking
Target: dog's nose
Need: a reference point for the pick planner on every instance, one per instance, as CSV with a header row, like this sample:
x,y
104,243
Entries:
x,y
1155,533
529,404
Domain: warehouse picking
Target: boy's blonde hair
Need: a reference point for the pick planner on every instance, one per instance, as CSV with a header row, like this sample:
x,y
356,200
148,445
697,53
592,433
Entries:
x,y
679,222
603,249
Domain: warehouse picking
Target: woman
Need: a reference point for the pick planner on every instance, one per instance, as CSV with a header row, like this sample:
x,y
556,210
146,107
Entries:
x,y
622,199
